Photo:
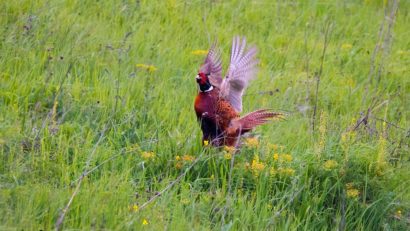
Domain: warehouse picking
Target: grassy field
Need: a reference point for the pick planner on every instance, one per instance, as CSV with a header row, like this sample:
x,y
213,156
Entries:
x,y
97,128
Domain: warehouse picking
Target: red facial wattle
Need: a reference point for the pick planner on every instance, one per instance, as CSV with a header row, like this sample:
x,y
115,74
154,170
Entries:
x,y
203,78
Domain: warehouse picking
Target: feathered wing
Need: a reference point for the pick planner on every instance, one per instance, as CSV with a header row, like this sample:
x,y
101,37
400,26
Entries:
x,y
241,70
253,119
213,66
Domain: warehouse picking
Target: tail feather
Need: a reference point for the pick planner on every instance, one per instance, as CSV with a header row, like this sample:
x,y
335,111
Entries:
x,y
253,119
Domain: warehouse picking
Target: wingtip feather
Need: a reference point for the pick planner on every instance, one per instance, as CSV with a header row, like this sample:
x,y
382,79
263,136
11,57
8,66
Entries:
x,y
259,117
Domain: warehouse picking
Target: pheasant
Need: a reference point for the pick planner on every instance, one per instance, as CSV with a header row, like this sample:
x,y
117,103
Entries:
x,y
219,100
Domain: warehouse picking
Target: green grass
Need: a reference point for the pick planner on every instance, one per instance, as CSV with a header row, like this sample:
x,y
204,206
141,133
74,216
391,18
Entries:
x,y
71,96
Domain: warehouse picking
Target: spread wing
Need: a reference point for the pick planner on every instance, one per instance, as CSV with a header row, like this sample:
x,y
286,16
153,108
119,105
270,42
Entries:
x,y
213,66
241,70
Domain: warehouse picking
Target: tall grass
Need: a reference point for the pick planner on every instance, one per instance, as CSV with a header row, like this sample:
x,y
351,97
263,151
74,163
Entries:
x,y
96,104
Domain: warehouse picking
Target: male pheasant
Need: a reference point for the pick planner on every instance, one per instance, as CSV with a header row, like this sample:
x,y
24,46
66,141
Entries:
x,y
219,100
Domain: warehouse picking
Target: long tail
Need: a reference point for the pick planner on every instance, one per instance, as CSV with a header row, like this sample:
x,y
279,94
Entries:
x,y
253,119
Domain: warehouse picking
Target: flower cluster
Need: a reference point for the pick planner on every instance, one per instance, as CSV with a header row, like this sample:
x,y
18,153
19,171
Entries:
x,y
282,157
286,157
351,191
252,142
145,222
228,152
275,156
199,52
330,164
149,68
257,166
181,161
281,162
228,156
148,155
398,214
277,164
135,208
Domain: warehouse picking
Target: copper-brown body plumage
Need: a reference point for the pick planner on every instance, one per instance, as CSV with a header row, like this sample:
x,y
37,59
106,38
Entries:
x,y
215,115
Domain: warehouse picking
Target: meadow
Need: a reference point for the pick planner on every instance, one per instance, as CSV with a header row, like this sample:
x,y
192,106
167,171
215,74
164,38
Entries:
x,y
98,131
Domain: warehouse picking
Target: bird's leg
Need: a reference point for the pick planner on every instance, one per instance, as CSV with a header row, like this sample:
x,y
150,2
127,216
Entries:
x,y
209,128
238,137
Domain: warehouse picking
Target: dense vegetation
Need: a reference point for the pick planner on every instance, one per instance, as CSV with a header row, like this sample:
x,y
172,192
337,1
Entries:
x,y
96,105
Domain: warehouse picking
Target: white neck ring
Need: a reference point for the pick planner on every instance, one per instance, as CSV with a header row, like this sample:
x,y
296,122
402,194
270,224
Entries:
x,y
210,89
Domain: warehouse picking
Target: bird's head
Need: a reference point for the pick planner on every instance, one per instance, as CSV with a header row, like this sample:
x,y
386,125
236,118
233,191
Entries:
x,y
203,82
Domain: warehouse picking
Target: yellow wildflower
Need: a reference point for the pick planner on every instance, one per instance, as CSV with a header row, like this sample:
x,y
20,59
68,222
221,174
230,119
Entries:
x,y
287,157
330,164
147,155
352,193
178,165
149,68
188,158
199,52
135,208
257,166
346,46
398,214
177,158
275,156
229,149
228,156
206,142
145,222
252,142
152,68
